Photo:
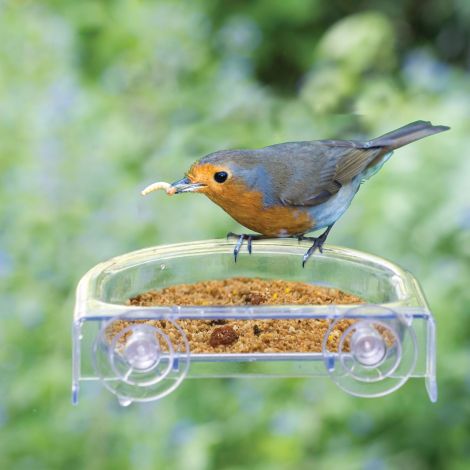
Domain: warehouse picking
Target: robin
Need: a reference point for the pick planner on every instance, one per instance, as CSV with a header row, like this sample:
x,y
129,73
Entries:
x,y
291,189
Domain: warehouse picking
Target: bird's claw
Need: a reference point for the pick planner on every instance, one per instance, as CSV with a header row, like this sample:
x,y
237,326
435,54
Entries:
x,y
241,238
249,243
318,243
238,247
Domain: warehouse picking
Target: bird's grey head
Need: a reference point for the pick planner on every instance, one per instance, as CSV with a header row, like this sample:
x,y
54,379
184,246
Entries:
x,y
218,172
243,166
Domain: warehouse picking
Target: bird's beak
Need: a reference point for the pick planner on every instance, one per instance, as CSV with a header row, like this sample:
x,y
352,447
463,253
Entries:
x,y
186,186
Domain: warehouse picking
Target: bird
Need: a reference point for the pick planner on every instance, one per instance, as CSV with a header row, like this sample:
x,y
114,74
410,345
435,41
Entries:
x,y
294,188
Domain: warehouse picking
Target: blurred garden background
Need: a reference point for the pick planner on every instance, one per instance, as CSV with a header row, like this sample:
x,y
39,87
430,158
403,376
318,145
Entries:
x,y
100,98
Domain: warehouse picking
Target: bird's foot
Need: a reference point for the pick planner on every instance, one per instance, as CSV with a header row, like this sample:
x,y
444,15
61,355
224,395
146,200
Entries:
x,y
318,243
241,238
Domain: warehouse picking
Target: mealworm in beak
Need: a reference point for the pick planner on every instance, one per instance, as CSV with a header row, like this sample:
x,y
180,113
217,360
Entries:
x,y
169,189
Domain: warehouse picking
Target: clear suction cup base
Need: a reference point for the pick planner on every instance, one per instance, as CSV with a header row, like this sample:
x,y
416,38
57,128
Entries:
x,y
140,362
375,355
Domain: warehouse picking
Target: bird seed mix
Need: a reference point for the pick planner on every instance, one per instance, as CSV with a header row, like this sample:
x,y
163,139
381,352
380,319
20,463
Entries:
x,y
251,335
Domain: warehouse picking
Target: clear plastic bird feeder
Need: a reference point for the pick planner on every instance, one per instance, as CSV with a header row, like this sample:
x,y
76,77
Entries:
x,y
390,339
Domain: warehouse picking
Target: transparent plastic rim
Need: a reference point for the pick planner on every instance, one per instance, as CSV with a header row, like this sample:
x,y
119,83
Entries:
x,y
286,246
279,246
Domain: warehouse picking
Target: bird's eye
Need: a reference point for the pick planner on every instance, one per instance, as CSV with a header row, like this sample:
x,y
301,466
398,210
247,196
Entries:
x,y
220,176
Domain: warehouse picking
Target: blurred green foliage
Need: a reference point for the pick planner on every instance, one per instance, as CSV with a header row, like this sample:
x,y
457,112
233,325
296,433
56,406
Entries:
x,y
97,99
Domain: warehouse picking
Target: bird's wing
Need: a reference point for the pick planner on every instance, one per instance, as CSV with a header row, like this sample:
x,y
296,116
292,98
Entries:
x,y
317,170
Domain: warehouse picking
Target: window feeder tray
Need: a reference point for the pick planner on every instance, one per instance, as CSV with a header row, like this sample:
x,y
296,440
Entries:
x,y
390,339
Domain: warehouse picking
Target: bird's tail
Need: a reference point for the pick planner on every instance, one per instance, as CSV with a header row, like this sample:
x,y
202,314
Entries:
x,y
406,134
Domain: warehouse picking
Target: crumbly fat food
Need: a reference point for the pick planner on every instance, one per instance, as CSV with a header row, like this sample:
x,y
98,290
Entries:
x,y
251,335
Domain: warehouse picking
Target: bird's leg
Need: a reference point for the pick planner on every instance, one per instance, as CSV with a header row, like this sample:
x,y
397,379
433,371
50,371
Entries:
x,y
317,244
241,238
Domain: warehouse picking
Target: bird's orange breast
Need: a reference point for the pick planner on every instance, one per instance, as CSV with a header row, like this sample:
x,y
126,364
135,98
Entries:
x,y
247,208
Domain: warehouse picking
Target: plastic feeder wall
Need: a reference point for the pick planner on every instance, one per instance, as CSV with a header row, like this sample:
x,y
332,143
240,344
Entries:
x,y
391,339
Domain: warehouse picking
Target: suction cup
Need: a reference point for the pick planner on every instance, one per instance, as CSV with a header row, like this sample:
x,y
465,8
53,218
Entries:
x,y
375,354
139,361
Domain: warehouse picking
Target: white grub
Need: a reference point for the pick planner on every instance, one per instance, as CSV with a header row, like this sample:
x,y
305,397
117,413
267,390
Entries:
x,y
169,189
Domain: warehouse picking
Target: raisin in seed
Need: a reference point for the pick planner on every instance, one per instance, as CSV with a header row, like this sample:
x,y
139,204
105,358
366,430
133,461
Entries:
x,y
254,298
223,335
256,330
217,322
